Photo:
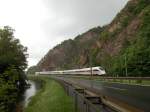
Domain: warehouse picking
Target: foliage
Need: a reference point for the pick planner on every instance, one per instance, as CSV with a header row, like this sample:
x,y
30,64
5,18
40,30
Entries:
x,y
11,51
32,70
12,65
140,6
97,29
135,57
8,89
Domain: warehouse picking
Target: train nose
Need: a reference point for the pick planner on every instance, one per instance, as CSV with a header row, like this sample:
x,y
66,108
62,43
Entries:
x,y
103,72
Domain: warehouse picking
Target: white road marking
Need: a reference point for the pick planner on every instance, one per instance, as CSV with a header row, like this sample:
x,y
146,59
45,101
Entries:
x,y
115,88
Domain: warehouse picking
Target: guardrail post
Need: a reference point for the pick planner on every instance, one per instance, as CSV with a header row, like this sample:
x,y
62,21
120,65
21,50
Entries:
x,y
87,107
67,88
130,81
76,102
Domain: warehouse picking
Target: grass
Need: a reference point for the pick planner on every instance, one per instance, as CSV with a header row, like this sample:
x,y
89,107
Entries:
x,y
51,98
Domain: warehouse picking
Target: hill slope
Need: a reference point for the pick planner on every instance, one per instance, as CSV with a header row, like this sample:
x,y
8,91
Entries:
x,y
124,43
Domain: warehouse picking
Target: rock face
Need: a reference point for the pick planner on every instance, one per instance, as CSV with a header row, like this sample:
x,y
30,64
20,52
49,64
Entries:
x,y
71,53
107,46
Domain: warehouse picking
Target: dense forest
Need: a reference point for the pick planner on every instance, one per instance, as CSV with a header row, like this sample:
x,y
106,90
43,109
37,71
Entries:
x,y
12,65
122,47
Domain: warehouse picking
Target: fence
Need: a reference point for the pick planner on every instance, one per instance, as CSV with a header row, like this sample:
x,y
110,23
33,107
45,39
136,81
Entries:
x,y
83,102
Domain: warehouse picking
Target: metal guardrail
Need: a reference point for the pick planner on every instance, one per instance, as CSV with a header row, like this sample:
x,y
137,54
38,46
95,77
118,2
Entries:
x,y
82,101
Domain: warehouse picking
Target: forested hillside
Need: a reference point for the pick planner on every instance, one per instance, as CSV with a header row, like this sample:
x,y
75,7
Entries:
x,y
121,47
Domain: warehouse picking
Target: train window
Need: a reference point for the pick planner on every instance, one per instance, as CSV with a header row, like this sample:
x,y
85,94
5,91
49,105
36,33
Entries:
x,y
95,70
101,68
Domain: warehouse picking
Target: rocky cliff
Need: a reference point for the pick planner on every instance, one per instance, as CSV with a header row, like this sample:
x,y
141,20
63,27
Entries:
x,y
122,44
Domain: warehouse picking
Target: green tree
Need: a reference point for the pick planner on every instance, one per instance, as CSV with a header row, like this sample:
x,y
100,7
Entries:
x,y
12,65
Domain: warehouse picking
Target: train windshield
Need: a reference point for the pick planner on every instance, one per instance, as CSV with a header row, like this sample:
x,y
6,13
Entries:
x,y
101,68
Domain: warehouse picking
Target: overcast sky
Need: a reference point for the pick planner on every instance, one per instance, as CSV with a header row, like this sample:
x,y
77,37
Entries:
x,y
42,24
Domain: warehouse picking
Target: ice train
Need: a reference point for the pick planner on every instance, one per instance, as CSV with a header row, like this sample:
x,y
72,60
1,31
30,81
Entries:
x,y
84,71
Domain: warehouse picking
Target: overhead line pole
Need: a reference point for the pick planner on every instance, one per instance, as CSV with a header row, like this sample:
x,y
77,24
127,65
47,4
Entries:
x,y
126,70
90,62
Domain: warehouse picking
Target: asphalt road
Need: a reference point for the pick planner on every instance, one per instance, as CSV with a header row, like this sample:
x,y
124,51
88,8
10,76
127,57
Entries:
x,y
137,96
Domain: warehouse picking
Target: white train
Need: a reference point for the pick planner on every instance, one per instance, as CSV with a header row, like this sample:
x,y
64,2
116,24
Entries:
x,y
84,71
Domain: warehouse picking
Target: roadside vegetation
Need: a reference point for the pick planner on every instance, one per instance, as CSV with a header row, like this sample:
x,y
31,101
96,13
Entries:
x,y
51,98
12,65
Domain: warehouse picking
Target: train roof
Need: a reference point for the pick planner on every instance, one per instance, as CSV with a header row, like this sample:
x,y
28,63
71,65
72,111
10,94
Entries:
x,y
83,69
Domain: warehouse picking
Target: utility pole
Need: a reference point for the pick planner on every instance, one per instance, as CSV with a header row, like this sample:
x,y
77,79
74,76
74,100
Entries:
x,y
91,71
91,68
89,60
126,70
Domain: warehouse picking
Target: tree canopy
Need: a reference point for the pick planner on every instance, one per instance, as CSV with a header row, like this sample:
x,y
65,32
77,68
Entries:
x,y
11,51
12,65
